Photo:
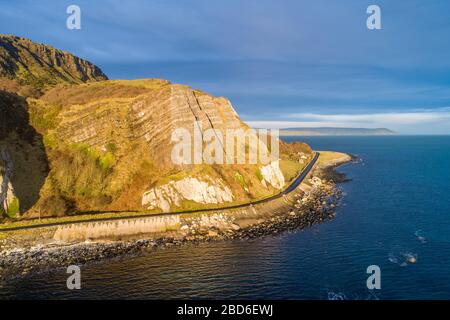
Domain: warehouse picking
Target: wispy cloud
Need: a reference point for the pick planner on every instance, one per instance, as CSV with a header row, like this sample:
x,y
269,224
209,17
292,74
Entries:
x,y
313,62
435,121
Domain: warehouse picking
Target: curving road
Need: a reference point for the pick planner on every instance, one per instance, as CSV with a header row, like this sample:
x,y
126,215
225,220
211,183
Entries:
x,y
288,190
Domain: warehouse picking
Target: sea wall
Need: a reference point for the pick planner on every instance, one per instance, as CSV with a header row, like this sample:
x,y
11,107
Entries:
x,y
220,219
118,228
312,202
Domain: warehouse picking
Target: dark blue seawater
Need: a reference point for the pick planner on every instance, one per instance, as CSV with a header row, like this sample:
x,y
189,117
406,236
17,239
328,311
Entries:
x,y
397,205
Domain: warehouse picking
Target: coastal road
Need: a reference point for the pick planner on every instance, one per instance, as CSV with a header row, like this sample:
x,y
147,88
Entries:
x,y
294,184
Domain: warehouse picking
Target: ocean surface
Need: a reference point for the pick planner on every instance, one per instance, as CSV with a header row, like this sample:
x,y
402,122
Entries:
x,y
396,206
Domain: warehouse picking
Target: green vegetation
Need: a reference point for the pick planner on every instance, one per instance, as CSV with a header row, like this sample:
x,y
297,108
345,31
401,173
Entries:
x,y
290,169
172,176
111,147
259,175
82,171
103,160
330,157
50,141
43,117
106,161
12,210
28,64
122,126
240,178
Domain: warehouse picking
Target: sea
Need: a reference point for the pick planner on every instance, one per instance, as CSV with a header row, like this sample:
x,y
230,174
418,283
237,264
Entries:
x,y
395,215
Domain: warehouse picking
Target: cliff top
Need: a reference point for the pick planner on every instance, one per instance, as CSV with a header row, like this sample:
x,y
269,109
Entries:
x,y
29,68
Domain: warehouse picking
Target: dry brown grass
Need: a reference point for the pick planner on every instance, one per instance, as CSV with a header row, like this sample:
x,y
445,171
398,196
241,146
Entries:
x,y
67,95
84,178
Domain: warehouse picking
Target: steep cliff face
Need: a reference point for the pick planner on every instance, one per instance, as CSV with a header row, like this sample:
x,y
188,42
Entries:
x,y
9,203
148,113
23,160
28,66
115,141
85,145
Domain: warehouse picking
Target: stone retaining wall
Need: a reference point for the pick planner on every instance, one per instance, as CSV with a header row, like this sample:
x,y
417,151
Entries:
x,y
160,224
118,228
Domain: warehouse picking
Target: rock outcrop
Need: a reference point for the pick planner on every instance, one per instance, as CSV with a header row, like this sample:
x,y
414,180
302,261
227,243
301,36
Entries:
x,y
193,189
149,115
9,204
23,162
272,174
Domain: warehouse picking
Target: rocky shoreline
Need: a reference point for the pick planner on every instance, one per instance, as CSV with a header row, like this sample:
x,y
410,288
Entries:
x,y
311,208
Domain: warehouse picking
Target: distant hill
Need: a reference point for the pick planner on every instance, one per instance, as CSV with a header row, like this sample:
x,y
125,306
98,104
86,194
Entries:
x,y
336,132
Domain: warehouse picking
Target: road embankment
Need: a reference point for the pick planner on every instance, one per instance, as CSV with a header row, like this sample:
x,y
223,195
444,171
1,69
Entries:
x,y
312,201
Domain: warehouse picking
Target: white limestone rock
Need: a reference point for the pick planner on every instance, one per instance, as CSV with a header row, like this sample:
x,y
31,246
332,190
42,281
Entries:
x,y
7,194
173,193
316,181
272,174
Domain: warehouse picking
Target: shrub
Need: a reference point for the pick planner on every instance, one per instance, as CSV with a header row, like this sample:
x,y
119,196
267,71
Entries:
x,y
106,161
111,147
13,208
81,170
240,179
50,141
259,175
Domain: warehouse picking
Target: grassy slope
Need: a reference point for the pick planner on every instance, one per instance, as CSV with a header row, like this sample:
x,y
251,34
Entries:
x,y
85,179
330,158
64,177
188,205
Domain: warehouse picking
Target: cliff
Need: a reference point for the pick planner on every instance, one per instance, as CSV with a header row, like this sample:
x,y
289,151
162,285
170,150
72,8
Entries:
x,y
85,144
30,68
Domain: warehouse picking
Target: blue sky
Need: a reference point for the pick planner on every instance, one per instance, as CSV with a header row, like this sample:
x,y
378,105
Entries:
x,y
281,63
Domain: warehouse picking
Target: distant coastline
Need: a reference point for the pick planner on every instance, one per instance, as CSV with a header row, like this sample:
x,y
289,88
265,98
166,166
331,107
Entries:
x,y
328,131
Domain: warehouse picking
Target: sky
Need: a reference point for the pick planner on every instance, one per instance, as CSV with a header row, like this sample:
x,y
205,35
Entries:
x,y
282,63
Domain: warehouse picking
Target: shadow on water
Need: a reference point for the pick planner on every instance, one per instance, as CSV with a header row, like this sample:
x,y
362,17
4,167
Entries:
x,y
23,148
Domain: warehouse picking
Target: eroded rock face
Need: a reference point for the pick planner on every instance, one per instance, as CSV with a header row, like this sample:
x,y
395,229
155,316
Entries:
x,y
149,118
42,65
80,143
130,124
272,174
189,188
23,161
7,195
